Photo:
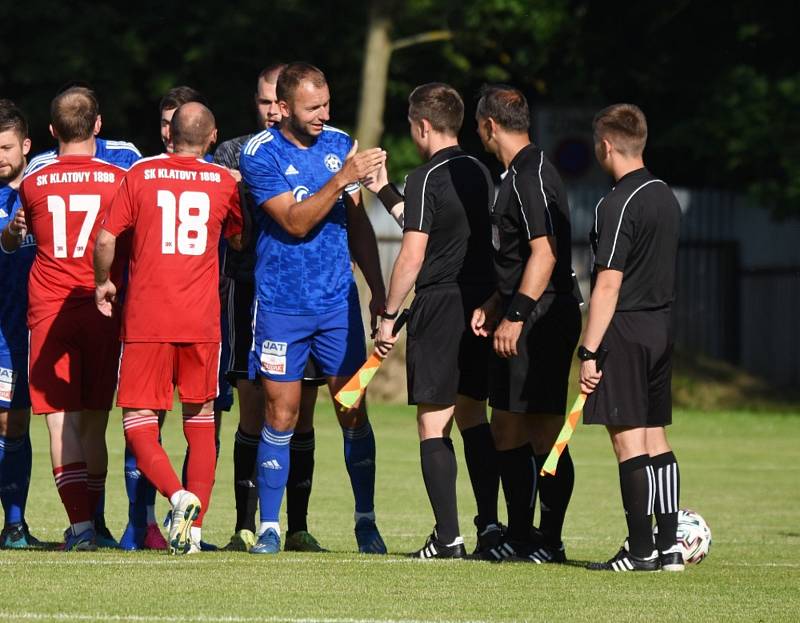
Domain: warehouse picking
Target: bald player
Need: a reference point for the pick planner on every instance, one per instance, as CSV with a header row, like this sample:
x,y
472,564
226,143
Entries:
x,y
177,206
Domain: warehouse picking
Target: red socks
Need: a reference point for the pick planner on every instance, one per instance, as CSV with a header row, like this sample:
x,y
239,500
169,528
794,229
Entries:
x,y
71,484
202,458
141,434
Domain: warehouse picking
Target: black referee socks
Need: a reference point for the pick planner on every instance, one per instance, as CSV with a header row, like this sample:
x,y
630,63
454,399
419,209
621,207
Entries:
x,y
668,491
554,496
481,458
439,470
301,476
638,485
518,473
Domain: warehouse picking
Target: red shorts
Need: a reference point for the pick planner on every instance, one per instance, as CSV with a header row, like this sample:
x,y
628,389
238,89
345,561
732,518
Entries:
x,y
74,356
149,372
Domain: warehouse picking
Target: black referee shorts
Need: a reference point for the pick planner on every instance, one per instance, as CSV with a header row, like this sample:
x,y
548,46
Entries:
x,y
537,379
636,388
240,335
443,357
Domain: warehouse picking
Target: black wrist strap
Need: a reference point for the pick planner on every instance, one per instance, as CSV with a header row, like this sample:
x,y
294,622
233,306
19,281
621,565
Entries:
x,y
521,308
390,196
387,316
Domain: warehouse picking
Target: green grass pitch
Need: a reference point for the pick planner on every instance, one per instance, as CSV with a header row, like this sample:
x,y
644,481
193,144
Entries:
x,y
739,470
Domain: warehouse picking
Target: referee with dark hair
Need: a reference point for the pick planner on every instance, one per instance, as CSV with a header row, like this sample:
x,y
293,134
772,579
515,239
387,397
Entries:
x,y
534,317
635,245
446,254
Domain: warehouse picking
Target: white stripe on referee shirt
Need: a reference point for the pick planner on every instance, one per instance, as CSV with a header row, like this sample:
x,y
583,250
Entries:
x,y
622,214
521,210
544,197
425,181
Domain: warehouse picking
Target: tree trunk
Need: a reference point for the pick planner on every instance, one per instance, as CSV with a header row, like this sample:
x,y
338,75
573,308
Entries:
x,y
374,74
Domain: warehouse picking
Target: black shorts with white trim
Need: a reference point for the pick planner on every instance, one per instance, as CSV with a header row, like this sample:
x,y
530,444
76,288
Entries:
x,y
536,380
636,387
444,357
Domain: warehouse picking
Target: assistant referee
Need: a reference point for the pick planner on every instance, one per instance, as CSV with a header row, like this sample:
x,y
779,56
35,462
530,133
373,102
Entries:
x,y
539,324
635,245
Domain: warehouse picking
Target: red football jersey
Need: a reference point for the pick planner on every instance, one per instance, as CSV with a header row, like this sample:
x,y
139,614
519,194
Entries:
x,y
64,204
178,207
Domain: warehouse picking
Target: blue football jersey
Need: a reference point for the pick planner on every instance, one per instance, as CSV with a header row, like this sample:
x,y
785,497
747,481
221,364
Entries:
x,y
309,275
121,153
14,269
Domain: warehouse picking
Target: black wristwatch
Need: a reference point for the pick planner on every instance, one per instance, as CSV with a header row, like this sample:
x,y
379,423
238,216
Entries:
x,y
584,354
387,316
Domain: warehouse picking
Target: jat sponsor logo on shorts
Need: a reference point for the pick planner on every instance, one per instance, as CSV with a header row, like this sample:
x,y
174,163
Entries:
x,y
273,357
8,380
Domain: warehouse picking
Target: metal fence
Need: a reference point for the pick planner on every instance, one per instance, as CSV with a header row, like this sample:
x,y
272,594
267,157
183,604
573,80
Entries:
x,y
738,278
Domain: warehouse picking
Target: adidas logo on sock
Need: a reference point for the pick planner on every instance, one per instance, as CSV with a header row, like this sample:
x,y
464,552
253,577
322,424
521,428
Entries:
x,y
246,483
271,464
306,484
290,170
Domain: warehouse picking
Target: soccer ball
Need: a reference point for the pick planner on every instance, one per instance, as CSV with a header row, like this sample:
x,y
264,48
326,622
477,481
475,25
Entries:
x,y
694,536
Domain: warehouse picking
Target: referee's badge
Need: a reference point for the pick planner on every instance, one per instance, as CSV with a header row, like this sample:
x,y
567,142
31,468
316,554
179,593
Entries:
x,y
273,357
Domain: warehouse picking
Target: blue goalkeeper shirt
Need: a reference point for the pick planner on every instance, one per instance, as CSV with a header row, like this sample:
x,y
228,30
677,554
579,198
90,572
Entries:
x,y
309,275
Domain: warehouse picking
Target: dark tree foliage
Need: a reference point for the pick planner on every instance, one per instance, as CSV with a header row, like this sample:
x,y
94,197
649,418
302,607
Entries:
x,y
719,81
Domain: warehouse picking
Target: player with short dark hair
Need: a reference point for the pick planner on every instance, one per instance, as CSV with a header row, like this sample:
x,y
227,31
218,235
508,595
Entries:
x,y
73,348
446,255
535,322
172,100
239,267
635,247
177,206
15,414
304,179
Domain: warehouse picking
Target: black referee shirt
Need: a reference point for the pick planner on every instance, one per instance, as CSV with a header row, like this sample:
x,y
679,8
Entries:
x,y
449,199
636,228
531,202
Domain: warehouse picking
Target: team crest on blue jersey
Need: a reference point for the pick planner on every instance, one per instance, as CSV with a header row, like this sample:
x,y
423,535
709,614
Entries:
x,y
333,163
300,193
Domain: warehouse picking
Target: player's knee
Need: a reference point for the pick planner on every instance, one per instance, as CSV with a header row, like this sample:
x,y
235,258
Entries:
x,y
544,430
14,422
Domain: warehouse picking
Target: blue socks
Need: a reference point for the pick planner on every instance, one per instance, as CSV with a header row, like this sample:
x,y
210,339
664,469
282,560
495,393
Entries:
x,y
141,494
359,457
14,476
272,465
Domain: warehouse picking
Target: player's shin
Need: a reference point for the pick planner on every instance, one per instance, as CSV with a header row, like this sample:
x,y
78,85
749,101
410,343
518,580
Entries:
x,y
518,474
298,486
201,459
141,435
359,458
13,478
273,473
245,452
481,459
439,470
667,499
637,483
554,496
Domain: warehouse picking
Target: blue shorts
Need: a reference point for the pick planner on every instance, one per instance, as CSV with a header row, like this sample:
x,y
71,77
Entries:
x,y
283,342
14,380
224,400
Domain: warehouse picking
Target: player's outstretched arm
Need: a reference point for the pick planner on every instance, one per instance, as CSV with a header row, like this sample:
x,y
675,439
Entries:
x,y
298,218
387,193
105,292
601,310
364,250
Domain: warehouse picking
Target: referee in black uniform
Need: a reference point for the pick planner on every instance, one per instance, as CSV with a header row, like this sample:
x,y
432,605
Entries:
x,y
635,245
446,254
239,267
535,319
